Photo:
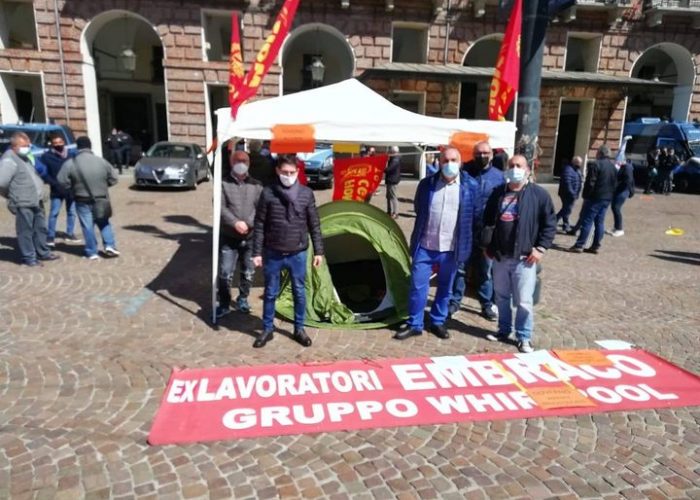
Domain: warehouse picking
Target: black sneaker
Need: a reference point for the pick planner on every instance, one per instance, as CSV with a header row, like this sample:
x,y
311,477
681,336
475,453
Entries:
x,y
440,331
498,337
301,337
593,250
50,256
452,308
575,249
222,311
489,313
242,305
408,332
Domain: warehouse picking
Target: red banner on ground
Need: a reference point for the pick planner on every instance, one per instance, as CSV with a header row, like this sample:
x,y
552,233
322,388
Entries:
x,y
252,401
357,178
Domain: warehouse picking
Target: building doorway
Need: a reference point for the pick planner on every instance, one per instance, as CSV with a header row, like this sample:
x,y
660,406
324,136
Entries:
x,y
573,131
124,79
474,96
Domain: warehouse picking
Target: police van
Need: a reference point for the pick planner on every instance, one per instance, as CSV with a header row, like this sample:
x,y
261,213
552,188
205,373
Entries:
x,y
39,133
650,133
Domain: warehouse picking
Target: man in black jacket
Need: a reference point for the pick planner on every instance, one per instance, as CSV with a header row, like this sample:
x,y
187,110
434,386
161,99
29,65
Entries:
x,y
392,176
624,190
524,224
285,216
240,194
54,159
598,192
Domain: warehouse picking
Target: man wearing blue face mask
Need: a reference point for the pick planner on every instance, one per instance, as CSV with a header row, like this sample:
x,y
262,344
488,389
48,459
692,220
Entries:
x,y
446,205
521,215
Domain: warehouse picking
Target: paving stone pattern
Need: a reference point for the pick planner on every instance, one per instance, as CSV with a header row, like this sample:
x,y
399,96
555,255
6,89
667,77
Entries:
x,y
86,348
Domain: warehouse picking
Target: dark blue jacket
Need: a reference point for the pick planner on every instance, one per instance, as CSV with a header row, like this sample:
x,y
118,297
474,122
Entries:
x,y
625,179
469,204
488,180
537,222
54,162
570,182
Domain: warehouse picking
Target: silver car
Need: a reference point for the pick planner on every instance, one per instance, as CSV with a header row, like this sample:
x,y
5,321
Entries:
x,y
172,164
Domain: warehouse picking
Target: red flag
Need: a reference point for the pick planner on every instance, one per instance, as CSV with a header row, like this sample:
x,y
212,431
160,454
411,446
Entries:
x,y
236,71
506,76
266,56
357,178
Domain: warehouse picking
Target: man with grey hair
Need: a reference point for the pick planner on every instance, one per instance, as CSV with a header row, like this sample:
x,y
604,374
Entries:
x,y
24,190
598,192
392,176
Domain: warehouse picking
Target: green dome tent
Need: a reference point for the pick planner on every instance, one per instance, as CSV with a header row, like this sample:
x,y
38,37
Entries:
x,y
364,280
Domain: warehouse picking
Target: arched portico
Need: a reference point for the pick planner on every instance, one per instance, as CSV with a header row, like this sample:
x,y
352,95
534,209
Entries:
x,y
474,95
664,62
310,44
123,78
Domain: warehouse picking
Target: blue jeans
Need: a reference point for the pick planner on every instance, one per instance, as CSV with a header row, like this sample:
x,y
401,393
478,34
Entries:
x,y
482,270
593,213
273,264
421,269
515,279
53,216
567,206
87,224
618,201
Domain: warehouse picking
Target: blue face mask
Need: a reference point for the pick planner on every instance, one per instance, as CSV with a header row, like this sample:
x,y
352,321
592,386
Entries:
x,y
450,169
515,175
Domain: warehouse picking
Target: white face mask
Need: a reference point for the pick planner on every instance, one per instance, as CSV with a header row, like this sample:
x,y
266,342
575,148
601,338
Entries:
x,y
24,150
288,180
240,168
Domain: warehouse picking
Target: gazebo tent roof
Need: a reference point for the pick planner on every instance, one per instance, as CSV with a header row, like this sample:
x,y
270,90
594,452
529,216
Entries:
x,y
351,112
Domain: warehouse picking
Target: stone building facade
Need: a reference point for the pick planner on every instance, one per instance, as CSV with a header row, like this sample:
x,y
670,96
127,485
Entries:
x,y
606,61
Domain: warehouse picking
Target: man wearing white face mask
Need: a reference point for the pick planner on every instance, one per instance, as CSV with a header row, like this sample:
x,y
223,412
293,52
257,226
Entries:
x,y
521,215
24,190
239,197
285,217
446,205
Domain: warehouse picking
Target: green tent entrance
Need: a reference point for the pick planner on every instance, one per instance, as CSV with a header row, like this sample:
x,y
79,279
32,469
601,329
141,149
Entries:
x,y
364,280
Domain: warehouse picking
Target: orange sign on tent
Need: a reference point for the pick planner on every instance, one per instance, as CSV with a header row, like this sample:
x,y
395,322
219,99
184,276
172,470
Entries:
x,y
293,139
465,141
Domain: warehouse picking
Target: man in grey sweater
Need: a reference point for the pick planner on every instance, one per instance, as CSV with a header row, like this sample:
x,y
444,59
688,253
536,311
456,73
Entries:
x,y
239,196
24,190
89,177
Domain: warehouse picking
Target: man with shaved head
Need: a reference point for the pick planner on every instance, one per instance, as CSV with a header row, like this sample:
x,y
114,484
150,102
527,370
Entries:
x,y
446,205
521,216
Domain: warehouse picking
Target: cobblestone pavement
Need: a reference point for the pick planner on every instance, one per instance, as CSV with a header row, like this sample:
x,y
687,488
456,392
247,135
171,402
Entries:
x,y
86,348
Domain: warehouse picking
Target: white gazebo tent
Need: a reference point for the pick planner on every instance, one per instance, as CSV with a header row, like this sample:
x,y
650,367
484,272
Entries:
x,y
345,112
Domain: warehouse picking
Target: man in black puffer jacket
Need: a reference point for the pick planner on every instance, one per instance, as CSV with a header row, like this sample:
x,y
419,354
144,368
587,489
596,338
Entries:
x,y
285,217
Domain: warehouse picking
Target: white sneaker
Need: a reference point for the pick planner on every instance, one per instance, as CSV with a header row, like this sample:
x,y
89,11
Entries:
x,y
92,257
618,232
525,346
112,252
